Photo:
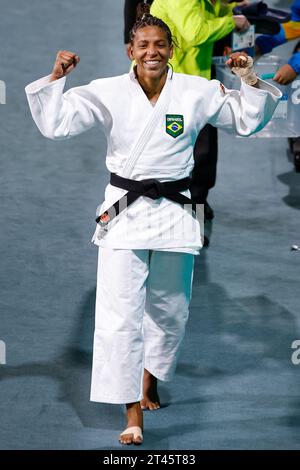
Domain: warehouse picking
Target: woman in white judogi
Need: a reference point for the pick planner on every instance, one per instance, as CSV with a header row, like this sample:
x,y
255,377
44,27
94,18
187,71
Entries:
x,y
151,118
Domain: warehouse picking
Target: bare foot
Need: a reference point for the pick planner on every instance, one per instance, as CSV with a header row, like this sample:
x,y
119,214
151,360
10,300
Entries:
x,y
151,398
134,418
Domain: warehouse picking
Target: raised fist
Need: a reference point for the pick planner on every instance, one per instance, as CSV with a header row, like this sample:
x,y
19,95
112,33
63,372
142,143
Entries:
x,y
242,65
64,63
238,59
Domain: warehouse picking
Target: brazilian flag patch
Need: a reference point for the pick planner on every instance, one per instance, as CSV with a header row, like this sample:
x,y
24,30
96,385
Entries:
x,y
174,124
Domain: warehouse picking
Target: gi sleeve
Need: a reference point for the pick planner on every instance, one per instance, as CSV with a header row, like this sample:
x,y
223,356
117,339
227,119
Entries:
x,y
242,112
61,115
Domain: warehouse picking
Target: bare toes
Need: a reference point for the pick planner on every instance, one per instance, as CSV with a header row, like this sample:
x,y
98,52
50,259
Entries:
x,y
154,406
125,439
138,441
149,405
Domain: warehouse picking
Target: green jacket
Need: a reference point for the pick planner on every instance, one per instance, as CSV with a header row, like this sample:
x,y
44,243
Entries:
x,y
196,25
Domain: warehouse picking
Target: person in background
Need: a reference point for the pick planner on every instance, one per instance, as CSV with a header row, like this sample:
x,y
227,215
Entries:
x,y
130,15
288,32
265,43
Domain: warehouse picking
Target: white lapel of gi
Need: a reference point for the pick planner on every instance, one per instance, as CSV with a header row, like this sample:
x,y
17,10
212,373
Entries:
x,y
157,111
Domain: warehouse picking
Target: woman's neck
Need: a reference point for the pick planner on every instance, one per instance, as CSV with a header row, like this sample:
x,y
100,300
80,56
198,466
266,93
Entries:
x,y
152,86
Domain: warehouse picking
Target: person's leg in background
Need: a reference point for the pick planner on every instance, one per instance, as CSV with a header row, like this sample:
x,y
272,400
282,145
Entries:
x,y
206,151
205,169
168,294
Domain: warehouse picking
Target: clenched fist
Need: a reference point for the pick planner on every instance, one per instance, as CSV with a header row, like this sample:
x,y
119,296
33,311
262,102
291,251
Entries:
x,y
242,65
64,63
237,59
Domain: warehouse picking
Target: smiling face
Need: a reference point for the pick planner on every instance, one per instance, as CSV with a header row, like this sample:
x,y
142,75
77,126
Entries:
x,y
151,51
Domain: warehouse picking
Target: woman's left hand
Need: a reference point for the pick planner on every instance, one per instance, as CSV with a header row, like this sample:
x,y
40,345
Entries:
x,y
241,64
237,59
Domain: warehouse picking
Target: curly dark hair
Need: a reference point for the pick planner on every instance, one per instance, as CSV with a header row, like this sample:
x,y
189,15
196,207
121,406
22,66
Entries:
x,y
144,18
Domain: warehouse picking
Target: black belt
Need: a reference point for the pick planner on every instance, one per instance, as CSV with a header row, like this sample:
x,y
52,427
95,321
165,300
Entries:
x,y
150,188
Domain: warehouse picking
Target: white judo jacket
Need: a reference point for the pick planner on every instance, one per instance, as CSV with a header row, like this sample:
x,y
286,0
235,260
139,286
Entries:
x,y
120,106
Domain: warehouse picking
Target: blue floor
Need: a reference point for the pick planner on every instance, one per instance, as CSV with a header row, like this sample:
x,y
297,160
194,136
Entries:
x,y
236,386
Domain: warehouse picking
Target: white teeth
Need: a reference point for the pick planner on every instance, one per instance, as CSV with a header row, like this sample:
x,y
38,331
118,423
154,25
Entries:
x,y
152,62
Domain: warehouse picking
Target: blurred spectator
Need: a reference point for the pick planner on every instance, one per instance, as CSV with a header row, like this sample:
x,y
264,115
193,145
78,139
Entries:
x,y
130,7
288,31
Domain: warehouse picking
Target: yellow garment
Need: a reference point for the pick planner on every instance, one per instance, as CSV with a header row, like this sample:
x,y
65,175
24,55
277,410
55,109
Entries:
x,y
195,25
291,29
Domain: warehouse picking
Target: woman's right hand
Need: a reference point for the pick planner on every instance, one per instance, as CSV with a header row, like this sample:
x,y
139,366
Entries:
x,y
64,63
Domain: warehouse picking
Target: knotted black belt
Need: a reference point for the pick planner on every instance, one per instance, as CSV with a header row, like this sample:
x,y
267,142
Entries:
x,y
150,188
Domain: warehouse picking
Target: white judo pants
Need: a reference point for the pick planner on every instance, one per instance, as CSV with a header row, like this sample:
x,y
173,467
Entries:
x,y
142,306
